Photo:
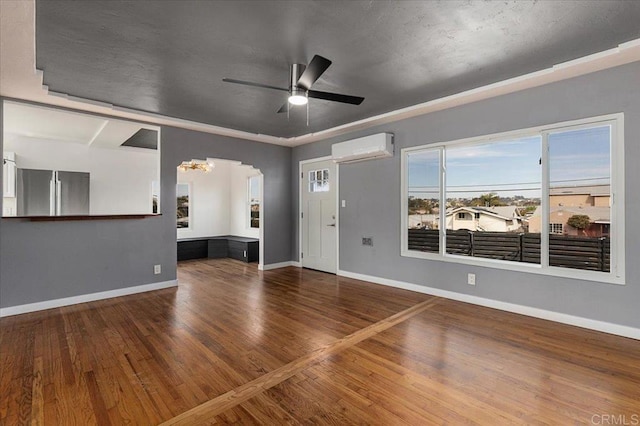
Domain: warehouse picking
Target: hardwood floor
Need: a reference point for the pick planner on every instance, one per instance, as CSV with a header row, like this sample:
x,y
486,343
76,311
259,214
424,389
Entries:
x,y
236,345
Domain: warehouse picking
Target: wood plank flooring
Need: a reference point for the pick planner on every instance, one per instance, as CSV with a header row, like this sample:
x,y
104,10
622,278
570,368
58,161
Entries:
x,y
233,345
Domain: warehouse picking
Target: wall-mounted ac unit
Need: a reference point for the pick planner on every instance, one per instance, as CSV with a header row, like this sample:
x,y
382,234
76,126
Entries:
x,y
367,148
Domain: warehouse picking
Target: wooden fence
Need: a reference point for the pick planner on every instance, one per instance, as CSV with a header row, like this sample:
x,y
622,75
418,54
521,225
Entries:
x,y
564,251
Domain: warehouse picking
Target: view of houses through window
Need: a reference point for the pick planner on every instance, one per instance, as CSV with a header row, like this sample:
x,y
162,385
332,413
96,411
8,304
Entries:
x,y
489,190
492,193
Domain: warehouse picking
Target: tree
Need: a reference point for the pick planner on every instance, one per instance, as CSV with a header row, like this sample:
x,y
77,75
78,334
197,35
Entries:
x,y
420,205
579,221
526,210
487,200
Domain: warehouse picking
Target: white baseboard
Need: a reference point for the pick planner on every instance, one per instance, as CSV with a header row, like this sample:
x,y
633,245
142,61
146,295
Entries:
x,y
606,327
278,265
74,300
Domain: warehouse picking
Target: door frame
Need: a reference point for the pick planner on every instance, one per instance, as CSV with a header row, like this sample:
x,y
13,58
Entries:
x,y
300,189
262,222
261,233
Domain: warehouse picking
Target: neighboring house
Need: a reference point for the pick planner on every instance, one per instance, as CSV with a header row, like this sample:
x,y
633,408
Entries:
x,y
567,201
599,216
488,219
593,195
423,221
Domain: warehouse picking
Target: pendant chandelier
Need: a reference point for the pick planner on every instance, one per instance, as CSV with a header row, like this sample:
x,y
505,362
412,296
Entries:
x,y
201,165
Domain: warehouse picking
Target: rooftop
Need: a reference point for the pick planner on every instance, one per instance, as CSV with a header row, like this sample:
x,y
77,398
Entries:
x,y
592,190
596,214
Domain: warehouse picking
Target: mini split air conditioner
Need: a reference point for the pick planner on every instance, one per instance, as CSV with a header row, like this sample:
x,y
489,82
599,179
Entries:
x,y
367,148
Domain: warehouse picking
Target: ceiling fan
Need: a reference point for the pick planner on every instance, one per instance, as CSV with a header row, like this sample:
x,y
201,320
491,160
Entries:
x,y
301,78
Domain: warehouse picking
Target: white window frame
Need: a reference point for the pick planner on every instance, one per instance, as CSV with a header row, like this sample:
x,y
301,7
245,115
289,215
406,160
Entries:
x,y
556,228
617,227
324,182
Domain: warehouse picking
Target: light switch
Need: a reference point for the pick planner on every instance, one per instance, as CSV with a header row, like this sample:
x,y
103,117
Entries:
x,y
344,203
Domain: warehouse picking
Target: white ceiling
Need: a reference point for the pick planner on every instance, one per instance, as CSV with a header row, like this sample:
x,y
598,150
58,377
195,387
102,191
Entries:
x,y
57,125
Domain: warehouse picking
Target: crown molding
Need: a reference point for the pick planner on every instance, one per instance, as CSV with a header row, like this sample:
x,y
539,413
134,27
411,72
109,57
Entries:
x,y
623,54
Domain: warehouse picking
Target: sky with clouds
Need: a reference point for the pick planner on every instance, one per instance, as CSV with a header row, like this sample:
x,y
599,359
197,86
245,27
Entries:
x,y
512,167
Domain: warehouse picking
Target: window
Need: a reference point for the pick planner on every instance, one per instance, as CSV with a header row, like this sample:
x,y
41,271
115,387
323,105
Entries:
x,y
319,180
423,200
555,228
254,201
183,193
561,177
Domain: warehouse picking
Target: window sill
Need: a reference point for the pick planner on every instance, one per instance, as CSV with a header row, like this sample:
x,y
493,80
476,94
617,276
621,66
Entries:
x,y
554,271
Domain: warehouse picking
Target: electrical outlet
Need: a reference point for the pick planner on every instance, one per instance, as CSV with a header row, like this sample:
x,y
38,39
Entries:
x,y
367,241
157,269
471,279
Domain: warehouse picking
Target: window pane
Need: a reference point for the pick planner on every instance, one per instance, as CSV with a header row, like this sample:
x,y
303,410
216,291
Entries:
x,y
423,178
579,198
319,180
182,214
492,191
254,189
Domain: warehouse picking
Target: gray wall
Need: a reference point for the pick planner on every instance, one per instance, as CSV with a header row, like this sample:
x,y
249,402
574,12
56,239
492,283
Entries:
x,y
42,261
372,192
49,260
273,161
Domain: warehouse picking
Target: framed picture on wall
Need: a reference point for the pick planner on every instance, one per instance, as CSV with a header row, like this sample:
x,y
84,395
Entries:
x,y
183,194
254,202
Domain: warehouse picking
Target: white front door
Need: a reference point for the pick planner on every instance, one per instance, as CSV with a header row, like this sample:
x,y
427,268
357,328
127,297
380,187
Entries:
x,y
319,216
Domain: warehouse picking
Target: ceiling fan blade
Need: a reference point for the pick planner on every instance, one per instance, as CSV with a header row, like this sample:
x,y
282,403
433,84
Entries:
x,y
284,108
249,83
335,97
314,70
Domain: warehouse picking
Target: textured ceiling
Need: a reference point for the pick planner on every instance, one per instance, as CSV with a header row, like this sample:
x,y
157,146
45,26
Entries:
x,y
169,57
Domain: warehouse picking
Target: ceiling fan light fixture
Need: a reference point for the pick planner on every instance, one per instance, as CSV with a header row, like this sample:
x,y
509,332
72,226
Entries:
x,y
301,79
298,97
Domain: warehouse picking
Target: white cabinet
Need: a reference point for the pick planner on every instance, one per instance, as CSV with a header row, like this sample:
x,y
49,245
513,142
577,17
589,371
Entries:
x,y
9,174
